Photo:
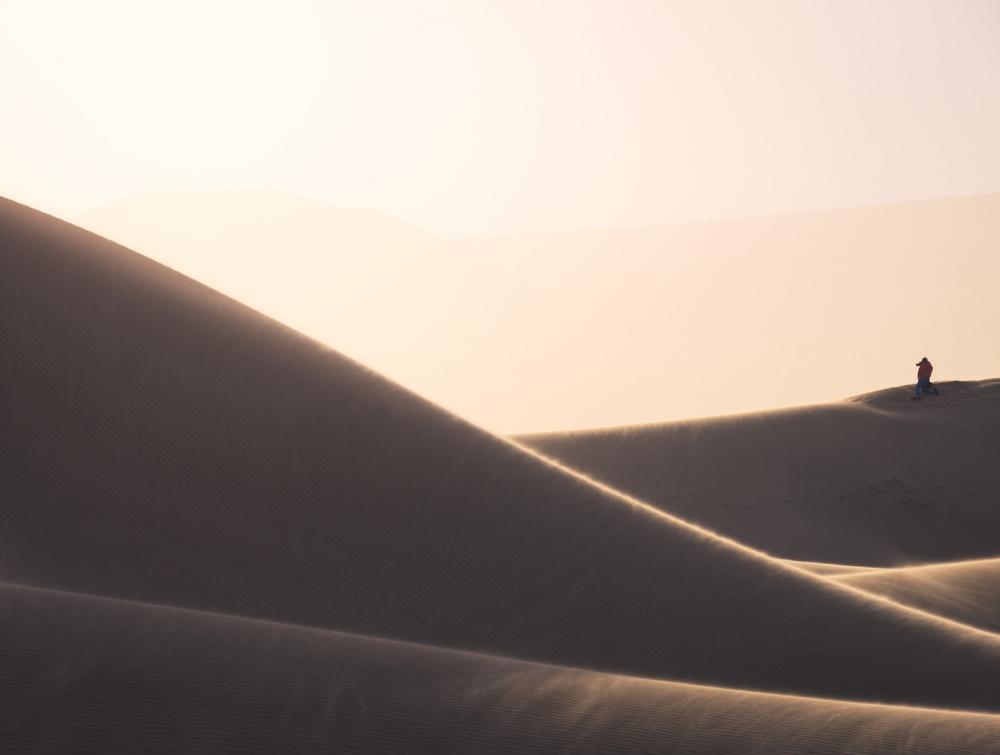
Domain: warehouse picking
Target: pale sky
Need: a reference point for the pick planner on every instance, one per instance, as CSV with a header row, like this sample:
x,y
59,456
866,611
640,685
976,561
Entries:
x,y
491,116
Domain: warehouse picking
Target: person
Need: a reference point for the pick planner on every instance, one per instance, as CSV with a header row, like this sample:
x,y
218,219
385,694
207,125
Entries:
x,y
924,370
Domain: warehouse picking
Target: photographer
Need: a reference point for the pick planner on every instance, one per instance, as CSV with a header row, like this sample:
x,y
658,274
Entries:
x,y
924,370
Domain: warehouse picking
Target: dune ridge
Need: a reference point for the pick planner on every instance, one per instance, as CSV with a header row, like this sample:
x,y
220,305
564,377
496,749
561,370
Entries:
x,y
829,570
965,591
876,480
172,447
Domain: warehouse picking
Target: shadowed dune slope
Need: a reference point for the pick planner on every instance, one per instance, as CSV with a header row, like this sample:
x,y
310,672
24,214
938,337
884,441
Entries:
x,y
167,445
876,480
968,591
128,678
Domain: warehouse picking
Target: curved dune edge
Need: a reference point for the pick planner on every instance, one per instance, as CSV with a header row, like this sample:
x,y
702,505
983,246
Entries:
x,y
127,677
247,470
832,483
965,591
824,569
842,575
897,397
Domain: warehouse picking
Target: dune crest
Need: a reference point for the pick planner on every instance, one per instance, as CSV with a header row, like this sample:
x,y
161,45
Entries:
x,y
966,591
876,480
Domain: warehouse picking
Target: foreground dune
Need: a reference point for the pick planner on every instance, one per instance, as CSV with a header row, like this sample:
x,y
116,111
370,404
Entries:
x,y
966,591
113,677
172,447
877,480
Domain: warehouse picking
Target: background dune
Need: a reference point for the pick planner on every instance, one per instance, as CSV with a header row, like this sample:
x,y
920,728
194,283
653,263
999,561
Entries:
x,y
170,446
876,480
558,331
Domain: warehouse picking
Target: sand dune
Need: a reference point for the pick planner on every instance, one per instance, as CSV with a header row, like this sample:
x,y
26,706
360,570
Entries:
x,y
876,480
169,446
114,677
966,591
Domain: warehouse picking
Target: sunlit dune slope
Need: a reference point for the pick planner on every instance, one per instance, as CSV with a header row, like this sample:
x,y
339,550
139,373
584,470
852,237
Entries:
x,y
967,591
876,480
167,445
85,674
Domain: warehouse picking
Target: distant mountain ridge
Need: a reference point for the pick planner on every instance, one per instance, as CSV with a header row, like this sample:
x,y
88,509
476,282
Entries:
x,y
606,327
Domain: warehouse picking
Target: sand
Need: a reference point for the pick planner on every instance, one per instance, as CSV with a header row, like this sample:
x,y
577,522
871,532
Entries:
x,y
200,505
115,677
830,570
877,480
966,591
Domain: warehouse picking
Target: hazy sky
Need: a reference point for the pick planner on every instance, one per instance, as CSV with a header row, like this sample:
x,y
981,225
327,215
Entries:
x,y
479,116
